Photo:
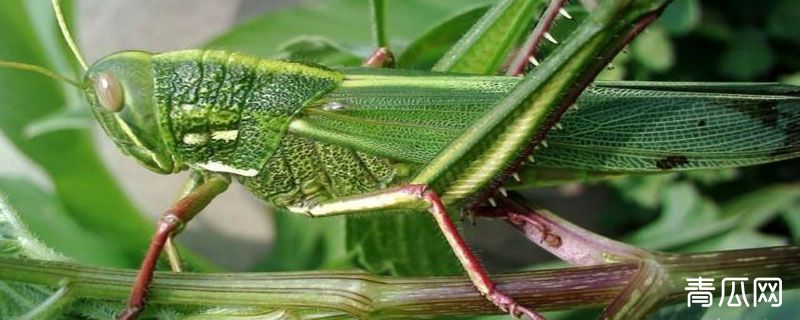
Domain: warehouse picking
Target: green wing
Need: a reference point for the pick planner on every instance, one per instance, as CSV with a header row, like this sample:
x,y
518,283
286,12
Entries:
x,y
619,128
641,127
403,115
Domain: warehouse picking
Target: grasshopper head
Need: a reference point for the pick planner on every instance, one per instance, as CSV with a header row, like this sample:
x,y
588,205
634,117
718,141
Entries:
x,y
119,88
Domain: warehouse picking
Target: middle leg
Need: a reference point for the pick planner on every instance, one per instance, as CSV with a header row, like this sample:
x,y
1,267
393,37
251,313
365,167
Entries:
x,y
419,197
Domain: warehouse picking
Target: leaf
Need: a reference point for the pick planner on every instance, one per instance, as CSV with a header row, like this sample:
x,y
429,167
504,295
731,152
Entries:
x,y
678,312
347,21
319,50
686,217
50,222
681,17
423,53
751,212
16,241
735,239
792,217
712,177
747,57
484,48
645,191
653,49
793,79
401,243
782,20
759,207
693,223
302,243
67,118
616,70
788,310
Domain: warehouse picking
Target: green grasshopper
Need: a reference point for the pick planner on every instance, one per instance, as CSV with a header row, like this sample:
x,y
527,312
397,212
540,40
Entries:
x,y
323,142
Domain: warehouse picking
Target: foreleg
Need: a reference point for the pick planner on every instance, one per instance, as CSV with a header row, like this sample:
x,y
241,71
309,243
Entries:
x,y
171,222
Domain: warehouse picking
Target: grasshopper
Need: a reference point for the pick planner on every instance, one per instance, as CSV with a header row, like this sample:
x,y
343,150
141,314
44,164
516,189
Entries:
x,y
323,142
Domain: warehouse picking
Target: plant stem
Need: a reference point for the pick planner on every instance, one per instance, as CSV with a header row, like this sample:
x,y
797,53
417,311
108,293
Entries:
x,y
573,244
659,276
378,8
363,295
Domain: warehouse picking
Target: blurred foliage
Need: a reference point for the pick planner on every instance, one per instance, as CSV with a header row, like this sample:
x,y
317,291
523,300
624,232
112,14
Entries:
x,y
83,191
84,215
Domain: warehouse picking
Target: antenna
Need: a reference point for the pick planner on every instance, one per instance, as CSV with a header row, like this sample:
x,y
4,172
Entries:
x,y
67,36
39,70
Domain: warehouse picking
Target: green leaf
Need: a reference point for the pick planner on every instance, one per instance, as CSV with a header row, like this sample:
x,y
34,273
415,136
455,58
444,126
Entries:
x,y
485,47
792,217
788,310
302,243
401,243
686,217
423,53
681,17
735,239
347,21
793,79
693,223
712,177
616,70
50,222
16,241
782,20
759,207
748,56
678,312
643,190
65,119
319,50
653,49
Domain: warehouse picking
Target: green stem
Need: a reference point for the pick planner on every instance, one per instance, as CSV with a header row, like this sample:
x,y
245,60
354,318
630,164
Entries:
x,y
378,9
364,295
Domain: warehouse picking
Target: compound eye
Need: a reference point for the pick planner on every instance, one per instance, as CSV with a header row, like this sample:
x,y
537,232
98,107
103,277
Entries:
x,y
109,92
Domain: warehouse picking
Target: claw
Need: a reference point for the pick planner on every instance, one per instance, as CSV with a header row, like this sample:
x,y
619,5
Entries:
x,y
527,313
507,304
